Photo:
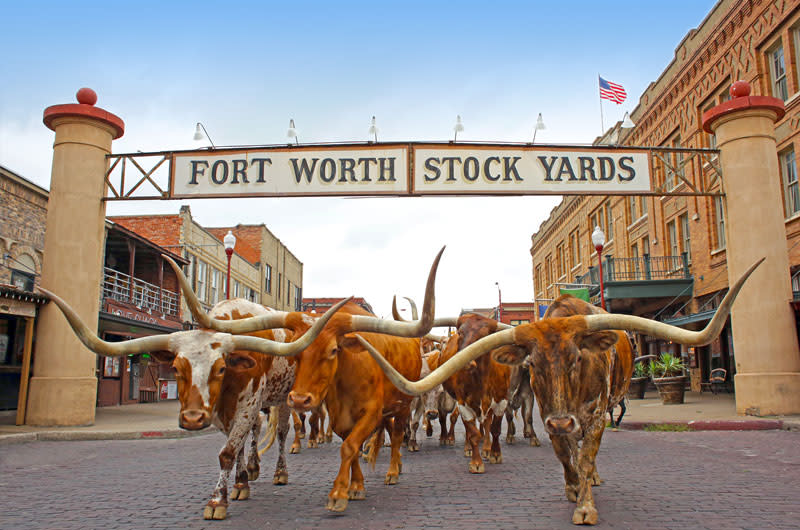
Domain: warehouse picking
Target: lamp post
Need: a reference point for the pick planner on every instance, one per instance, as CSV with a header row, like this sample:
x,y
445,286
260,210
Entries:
x,y
499,302
538,127
598,240
229,241
199,131
457,128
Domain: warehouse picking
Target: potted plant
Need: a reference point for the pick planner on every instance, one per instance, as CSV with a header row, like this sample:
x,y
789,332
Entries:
x,y
668,376
641,375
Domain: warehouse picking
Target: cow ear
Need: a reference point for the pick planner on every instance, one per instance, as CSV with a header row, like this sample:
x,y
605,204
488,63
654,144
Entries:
x,y
239,362
349,342
598,341
163,356
509,354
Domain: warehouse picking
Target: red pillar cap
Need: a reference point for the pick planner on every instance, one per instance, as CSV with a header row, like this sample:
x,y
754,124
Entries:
x,y
84,108
742,100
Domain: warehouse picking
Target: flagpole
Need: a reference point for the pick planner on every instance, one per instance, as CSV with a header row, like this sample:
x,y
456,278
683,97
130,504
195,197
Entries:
x,y
602,127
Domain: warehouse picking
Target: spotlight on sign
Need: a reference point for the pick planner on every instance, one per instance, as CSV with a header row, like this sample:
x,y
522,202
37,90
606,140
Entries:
x,y
538,127
627,122
457,128
199,131
373,129
292,133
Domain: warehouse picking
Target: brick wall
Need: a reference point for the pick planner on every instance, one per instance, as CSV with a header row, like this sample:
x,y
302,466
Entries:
x,y
23,209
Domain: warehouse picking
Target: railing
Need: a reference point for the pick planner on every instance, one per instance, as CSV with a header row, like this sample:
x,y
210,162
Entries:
x,y
145,296
637,269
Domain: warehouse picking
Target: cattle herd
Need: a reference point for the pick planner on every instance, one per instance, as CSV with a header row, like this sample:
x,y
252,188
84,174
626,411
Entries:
x,y
373,376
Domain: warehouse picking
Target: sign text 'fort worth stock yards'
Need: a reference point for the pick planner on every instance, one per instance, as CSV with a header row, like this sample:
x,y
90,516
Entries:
x,y
409,169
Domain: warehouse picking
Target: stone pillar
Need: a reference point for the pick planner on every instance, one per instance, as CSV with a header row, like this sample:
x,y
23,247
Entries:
x,y
765,342
63,388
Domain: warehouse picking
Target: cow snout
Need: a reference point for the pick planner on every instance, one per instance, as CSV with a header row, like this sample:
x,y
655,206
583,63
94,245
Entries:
x,y
561,424
432,414
299,400
194,420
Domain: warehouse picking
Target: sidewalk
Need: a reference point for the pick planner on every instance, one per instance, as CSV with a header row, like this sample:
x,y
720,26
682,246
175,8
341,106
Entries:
x,y
123,422
704,411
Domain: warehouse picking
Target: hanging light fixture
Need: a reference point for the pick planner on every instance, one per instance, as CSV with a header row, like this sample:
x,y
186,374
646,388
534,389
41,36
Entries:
x,y
373,129
199,131
292,133
457,128
538,127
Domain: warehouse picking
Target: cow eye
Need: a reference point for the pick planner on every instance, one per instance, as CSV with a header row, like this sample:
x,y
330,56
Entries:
x,y
221,370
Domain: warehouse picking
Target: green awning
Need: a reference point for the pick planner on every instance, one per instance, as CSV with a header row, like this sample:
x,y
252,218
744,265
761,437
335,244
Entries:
x,y
582,293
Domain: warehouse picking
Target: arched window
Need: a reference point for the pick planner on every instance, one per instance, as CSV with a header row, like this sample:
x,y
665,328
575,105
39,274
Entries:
x,y
23,272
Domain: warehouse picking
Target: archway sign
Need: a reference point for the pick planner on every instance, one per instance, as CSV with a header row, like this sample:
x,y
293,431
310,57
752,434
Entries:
x,y
408,169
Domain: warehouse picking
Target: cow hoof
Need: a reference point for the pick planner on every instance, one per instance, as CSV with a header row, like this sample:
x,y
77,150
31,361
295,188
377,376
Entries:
x,y
442,441
240,492
429,430
328,438
413,447
584,515
294,450
253,473
468,453
495,459
451,441
535,442
312,444
215,512
596,480
320,440
357,495
390,480
476,468
509,440
281,478
485,454
302,435
336,505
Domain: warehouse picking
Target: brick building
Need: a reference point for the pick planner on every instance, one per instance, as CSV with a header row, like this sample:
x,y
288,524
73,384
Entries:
x,y
263,270
320,305
665,257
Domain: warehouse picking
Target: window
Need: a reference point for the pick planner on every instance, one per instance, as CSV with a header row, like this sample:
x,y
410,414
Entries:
x,y
575,248
288,291
267,278
547,271
298,298
674,167
634,251
672,234
213,296
561,260
537,277
22,280
202,269
235,289
645,245
777,69
632,211
719,223
790,188
609,223
643,205
683,222
278,287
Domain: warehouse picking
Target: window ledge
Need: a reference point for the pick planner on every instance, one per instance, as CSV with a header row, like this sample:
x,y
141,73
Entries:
x,y
793,217
637,222
717,252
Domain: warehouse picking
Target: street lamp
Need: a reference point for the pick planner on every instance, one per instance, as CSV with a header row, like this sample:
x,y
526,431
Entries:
x,y
598,240
499,302
229,241
373,129
292,133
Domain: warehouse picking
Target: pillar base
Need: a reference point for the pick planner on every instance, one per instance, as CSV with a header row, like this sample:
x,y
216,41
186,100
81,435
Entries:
x,y
768,394
61,401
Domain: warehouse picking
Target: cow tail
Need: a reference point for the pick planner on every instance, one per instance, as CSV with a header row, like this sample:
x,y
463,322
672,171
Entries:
x,y
375,441
272,430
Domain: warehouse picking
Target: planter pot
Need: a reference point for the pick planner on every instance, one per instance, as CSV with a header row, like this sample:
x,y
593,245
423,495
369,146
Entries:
x,y
637,388
671,389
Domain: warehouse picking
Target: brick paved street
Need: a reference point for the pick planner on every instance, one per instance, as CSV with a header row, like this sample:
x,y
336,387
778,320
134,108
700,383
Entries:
x,y
653,480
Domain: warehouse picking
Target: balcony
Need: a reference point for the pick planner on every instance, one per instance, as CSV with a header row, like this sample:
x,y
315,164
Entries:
x,y
636,284
144,296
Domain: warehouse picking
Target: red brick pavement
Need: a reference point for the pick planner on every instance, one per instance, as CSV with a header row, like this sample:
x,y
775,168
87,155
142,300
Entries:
x,y
652,480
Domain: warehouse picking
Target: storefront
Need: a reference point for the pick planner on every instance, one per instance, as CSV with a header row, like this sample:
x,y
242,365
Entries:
x,y
17,319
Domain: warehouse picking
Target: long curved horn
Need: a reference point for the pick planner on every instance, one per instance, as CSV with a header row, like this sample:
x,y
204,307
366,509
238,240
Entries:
x,y
673,333
403,329
274,319
110,349
445,370
396,313
286,349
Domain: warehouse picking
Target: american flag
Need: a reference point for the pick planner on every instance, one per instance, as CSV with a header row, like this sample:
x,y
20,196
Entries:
x,y
612,91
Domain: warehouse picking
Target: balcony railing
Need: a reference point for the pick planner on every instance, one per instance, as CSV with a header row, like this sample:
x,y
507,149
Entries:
x,y
145,296
639,269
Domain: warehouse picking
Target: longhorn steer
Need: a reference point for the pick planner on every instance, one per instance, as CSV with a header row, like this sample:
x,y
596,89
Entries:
x,y
572,367
336,370
222,379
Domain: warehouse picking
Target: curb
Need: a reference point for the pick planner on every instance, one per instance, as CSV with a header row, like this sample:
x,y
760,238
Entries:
x,y
63,436
711,425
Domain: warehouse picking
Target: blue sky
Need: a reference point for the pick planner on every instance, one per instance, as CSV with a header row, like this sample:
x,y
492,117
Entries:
x,y
245,69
